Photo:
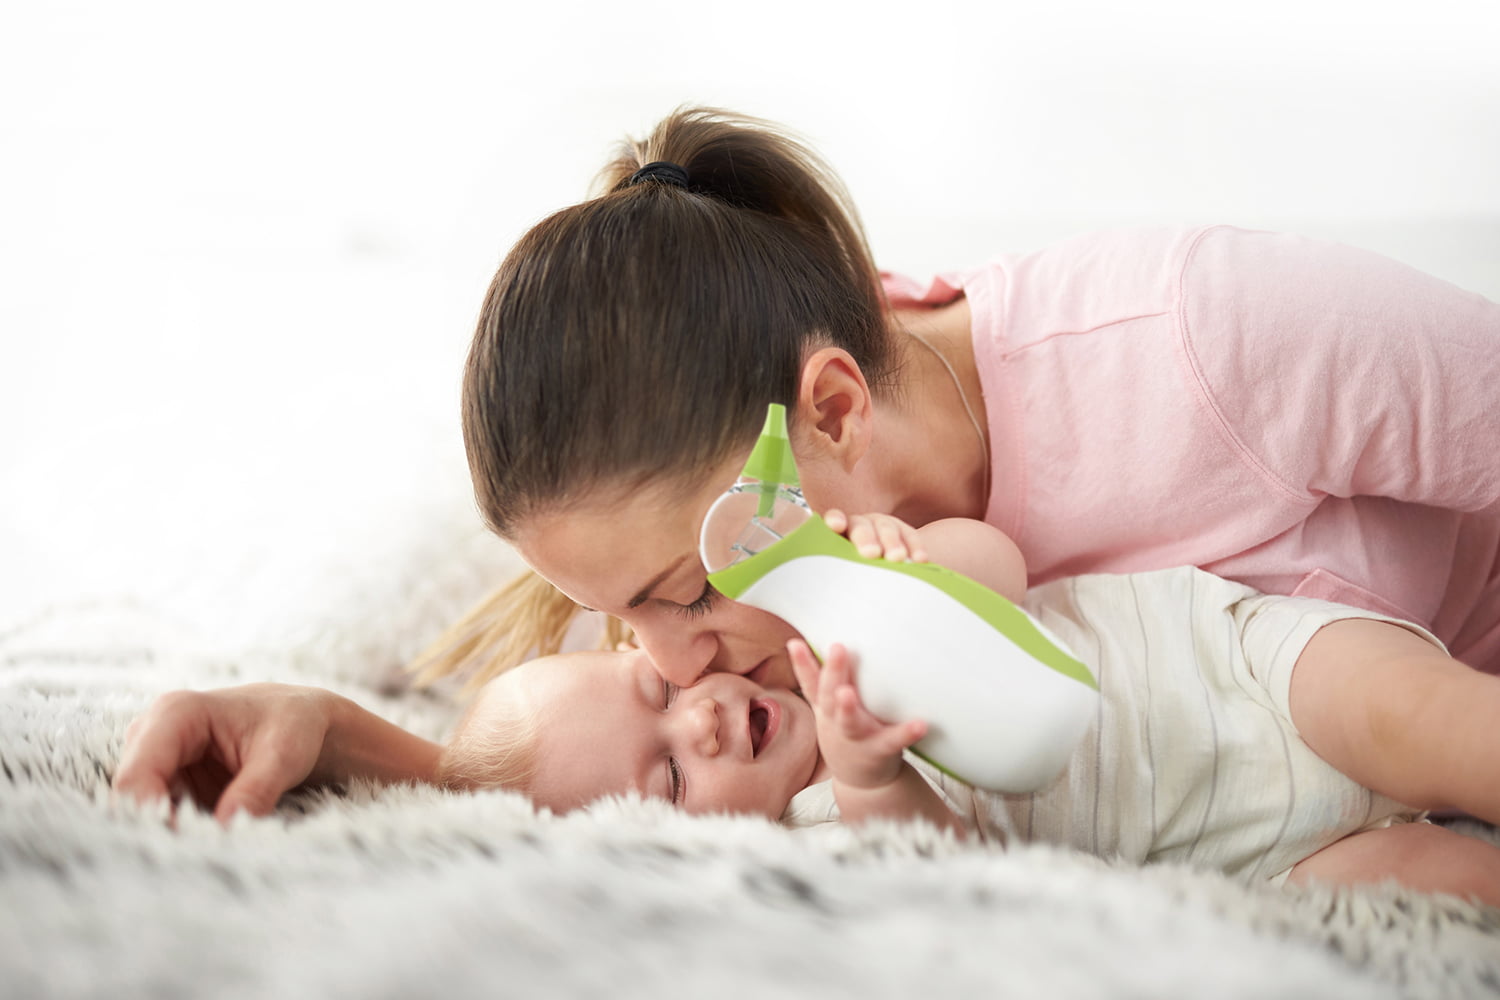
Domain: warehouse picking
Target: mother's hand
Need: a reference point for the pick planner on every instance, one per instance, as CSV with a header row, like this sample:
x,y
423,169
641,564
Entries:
x,y
232,749
877,536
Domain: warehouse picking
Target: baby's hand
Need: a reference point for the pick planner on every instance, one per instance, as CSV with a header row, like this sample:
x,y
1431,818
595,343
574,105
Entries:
x,y
861,750
877,535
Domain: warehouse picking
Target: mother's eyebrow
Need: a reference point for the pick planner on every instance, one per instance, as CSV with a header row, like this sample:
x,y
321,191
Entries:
x,y
644,594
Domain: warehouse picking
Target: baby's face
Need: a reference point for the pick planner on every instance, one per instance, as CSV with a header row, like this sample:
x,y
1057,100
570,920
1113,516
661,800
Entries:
x,y
606,723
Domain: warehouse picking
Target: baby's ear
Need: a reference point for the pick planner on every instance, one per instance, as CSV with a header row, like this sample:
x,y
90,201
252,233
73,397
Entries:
x,y
834,409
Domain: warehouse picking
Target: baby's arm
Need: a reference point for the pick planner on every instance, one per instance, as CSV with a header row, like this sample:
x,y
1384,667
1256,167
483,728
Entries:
x,y
870,778
1399,715
978,550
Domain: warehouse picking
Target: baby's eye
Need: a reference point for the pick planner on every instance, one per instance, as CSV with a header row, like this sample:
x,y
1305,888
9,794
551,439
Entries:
x,y
704,602
674,776
668,694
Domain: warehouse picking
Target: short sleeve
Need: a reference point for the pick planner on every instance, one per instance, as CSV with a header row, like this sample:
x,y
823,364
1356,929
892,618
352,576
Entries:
x,y
813,806
1274,630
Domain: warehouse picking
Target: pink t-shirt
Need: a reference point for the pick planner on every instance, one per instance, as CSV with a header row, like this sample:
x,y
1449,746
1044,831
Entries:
x,y
1300,416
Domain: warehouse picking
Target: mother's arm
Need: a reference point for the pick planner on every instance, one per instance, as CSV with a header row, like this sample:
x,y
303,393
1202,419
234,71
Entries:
x,y
241,748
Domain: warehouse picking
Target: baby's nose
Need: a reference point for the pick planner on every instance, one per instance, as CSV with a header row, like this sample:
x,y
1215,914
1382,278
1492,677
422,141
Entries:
x,y
705,727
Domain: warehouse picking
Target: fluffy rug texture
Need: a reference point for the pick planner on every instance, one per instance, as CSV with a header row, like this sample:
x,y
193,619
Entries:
x,y
369,891
301,512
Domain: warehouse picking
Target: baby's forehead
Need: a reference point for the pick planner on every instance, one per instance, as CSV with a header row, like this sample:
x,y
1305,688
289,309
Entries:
x,y
584,662
568,677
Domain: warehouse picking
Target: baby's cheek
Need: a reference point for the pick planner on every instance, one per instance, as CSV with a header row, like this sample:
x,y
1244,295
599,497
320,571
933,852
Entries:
x,y
710,802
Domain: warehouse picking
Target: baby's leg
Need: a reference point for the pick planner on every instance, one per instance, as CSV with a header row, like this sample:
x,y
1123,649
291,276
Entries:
x,y
1400,716
1417,855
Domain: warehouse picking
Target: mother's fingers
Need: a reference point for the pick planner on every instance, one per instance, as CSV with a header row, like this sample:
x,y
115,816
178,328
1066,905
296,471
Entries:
x,y
865,538
877,536
159,745
260,784
899,540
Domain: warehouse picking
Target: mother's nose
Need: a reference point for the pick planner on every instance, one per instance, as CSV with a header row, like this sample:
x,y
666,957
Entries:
x,y
680,651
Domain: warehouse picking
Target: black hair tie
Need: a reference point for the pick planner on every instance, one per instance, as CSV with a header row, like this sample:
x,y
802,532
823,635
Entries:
x,y
660,170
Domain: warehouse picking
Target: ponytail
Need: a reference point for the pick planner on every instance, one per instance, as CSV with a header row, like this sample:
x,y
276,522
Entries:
x,y
524,619
754,164
637,337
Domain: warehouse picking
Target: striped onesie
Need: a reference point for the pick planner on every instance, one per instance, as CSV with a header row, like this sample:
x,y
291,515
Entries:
x,y
1193,757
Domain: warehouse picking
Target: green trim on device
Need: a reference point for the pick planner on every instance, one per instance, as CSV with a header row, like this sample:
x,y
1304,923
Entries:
x,y
814,537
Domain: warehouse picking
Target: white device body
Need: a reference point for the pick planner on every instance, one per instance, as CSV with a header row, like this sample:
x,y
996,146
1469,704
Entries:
x,y
997,718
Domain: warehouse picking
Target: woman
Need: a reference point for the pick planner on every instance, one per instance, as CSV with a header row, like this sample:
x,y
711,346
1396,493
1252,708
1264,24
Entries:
x,y
1301,417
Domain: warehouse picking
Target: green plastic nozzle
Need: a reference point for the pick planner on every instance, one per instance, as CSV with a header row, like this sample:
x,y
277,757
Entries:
x,y
771,460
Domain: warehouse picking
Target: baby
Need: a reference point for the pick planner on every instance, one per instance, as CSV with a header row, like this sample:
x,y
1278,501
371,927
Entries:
x,y
1196,755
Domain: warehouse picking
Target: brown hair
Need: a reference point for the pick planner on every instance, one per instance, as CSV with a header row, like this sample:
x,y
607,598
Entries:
x,y
638,336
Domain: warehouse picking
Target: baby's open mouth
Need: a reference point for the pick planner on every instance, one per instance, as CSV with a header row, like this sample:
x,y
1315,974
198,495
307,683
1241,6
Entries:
x,y
763,725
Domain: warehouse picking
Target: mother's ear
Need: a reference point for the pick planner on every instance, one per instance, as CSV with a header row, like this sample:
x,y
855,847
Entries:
x,y
834,409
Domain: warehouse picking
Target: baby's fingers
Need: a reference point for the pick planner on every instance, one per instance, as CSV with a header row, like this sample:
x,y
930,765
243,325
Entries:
x,y
856,723
908,733
836,674
805,668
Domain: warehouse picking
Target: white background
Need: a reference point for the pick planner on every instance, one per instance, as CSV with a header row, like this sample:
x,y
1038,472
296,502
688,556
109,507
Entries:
x,y
242,246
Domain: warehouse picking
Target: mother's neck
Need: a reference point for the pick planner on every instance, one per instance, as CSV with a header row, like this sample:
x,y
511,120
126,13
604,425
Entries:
x,y
934,461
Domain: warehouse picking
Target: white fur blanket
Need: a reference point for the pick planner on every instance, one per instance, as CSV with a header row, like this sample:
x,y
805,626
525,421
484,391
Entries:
x,y
414,892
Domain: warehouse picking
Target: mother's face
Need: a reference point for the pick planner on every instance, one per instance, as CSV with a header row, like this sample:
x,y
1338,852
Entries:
x,y
635,556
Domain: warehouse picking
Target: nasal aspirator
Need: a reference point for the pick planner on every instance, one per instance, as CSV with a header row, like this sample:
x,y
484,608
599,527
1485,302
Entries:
x,y
1005,702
